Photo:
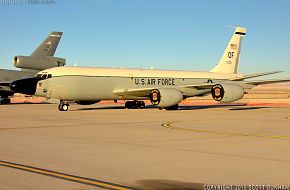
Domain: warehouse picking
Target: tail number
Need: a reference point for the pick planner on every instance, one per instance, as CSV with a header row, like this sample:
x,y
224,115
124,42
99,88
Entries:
x,y
231,54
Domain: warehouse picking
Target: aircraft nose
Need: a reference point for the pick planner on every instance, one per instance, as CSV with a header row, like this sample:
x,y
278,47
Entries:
x,y
24,86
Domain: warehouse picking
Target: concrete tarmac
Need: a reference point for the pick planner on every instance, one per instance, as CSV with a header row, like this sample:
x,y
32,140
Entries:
x,y
143,148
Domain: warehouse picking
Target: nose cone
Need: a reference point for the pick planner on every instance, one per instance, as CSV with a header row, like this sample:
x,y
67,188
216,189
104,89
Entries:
x,y
24,86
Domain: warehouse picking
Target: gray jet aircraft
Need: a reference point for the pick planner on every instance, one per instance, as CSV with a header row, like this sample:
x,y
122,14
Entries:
x,y
42,58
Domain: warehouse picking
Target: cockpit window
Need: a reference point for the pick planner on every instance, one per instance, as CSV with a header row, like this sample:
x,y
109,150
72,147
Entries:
x,y
43,76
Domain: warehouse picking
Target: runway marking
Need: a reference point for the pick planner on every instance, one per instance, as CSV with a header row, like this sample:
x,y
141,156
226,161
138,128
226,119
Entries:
x,y
169,125
68,177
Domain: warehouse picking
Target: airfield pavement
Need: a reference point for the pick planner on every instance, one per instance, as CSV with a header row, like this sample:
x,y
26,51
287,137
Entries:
x,y
106,146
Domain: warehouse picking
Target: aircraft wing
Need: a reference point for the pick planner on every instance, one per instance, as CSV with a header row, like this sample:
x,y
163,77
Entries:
x,y
255,75
145,92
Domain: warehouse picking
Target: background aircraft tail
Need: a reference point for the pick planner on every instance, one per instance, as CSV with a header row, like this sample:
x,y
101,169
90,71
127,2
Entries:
x,y
48,46
229,62
43,57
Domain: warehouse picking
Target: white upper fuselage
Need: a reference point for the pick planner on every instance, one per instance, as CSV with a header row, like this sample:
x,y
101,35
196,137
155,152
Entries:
x,y
124,72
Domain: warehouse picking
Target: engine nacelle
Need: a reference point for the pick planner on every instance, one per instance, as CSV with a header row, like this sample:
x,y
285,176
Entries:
x,y
165,97
227,92
37,63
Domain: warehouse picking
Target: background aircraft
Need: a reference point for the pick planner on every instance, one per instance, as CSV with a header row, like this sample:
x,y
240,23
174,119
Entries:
x,y
42,58
164,88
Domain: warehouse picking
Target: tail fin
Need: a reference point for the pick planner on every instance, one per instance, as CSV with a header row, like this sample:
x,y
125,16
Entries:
x,y
229,62
48,46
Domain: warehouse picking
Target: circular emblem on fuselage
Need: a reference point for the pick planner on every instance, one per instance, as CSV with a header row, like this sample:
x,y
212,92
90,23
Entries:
x,y
217,92
155,96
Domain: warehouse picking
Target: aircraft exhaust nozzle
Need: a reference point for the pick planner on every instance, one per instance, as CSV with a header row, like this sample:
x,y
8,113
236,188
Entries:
x,y
15,60
25,86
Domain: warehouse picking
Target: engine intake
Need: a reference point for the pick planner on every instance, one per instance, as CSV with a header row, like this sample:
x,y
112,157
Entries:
x,y
226,93
165,97
38,63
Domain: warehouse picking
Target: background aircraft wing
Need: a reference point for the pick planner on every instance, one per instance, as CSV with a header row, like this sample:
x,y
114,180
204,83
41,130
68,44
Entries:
x,y
8,76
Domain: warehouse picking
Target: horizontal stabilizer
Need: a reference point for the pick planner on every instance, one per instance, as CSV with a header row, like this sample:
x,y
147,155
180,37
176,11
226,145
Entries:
x,y
259,82
255,75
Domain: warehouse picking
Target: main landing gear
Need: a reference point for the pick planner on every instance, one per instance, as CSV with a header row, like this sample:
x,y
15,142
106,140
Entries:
x,y
63,106
135,104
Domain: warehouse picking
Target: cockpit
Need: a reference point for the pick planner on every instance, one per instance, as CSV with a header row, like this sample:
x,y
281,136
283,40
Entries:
x,y
43,76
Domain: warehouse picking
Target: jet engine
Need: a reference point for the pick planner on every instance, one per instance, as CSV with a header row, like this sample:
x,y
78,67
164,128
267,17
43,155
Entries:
x,y
165,97
37,63
227,92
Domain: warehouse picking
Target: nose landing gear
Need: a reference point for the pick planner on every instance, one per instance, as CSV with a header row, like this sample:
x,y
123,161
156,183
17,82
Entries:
x,y
63,106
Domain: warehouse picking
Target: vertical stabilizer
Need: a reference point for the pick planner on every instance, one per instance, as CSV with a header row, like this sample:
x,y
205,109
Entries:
x,y
48,46
229,62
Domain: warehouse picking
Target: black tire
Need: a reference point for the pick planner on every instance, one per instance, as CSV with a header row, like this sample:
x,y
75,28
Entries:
x,y
60,107
63,107
128,104
142,104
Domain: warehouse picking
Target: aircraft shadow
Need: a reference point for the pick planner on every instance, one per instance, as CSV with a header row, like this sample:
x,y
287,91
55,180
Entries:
x,y
231,107
162,184
108,108
181,108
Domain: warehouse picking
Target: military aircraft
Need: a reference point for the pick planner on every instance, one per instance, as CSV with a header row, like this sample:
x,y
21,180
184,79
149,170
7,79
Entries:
x,y
164,88
42,58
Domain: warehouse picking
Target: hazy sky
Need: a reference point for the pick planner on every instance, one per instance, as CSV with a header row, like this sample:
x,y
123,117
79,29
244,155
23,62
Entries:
x,y
165,34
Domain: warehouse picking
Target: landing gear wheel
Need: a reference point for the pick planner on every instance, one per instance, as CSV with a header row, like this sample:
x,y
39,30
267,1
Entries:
x,y
135,104
63,106
128,105
142,104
